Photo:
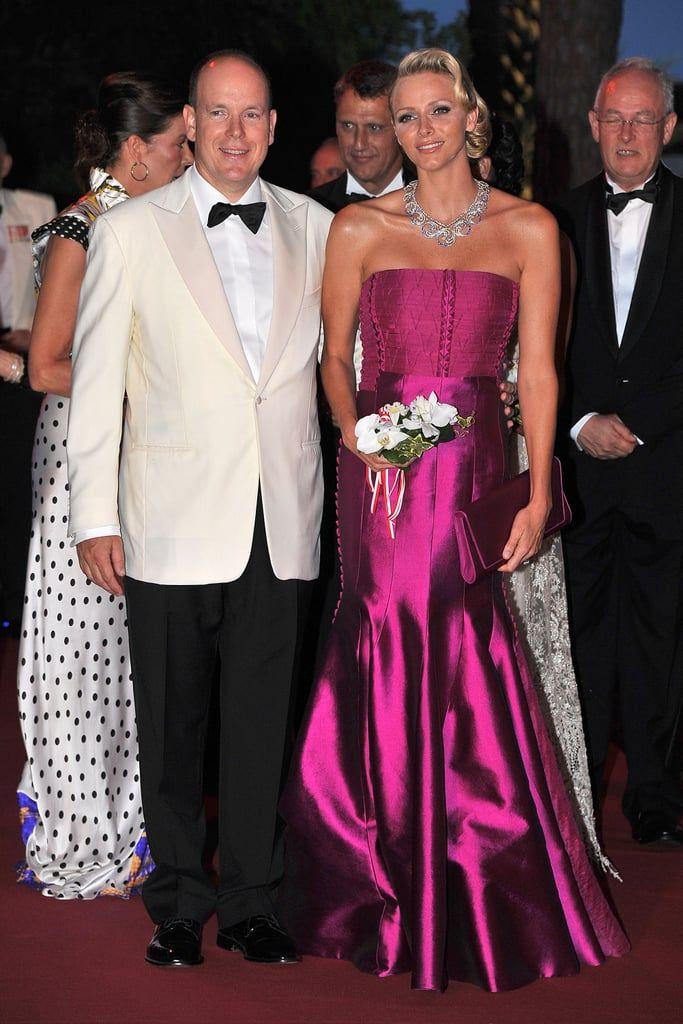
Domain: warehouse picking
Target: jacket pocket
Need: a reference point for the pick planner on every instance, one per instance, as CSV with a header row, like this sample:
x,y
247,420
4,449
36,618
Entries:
x,y
162,448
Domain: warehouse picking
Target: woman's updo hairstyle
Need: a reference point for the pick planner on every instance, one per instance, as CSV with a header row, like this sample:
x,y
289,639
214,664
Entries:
x,y
128,104
440,62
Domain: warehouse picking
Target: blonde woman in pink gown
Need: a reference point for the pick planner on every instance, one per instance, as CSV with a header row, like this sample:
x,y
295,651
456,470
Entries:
x,y
429,829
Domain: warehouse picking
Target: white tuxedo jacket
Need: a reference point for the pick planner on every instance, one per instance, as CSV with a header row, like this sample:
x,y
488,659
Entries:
x,y
155,336
22,213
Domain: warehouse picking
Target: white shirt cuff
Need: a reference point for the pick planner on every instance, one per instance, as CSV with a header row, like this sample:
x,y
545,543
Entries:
x,y
97,531
578,427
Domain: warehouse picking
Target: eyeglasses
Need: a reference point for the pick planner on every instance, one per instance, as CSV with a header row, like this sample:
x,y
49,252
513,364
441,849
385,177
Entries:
x,y
614,123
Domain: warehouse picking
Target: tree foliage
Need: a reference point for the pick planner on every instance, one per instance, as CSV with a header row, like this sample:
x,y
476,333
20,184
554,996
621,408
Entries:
x,y
55,54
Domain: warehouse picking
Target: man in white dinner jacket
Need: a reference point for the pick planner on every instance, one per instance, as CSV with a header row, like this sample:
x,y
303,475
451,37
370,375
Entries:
x,y
199,323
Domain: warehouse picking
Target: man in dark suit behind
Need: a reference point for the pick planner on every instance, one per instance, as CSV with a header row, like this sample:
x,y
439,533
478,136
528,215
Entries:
x,y
366,137
624,415
374,162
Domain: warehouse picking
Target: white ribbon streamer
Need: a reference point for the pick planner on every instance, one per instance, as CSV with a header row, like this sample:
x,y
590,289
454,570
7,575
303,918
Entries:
x,y
394,491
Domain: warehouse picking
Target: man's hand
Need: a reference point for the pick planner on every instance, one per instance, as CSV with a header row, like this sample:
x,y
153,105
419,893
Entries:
x,y
606,437
508,395
17,340
102,561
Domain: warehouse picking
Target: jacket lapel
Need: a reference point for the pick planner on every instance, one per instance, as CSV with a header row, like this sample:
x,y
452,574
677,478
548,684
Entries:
x,y
652,264
288,232
338,198
178,221
598,274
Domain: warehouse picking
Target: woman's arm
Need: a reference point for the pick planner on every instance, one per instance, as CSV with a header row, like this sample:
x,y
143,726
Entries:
x,y
540,283
49,362
342,283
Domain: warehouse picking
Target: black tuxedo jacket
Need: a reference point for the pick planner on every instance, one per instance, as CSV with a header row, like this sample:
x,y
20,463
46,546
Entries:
x,y
642,379
333,195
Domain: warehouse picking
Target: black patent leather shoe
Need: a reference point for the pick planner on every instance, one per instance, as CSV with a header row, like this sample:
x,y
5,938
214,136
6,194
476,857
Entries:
x,y
176,942
653,827
260,939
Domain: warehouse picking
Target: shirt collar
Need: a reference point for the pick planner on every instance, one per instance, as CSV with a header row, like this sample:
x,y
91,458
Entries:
x,y
354,187
617,188
206,195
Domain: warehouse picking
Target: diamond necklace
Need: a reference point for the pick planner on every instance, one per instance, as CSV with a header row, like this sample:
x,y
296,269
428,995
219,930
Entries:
x,y
446,234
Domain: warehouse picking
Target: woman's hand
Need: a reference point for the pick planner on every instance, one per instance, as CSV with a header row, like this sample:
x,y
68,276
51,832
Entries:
x,y
376,462
526,535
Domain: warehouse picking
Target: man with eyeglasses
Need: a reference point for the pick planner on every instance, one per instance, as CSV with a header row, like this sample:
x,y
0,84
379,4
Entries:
x,y
624,413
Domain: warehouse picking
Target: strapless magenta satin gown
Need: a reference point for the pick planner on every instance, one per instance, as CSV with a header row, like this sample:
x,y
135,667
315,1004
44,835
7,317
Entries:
x,y
428,829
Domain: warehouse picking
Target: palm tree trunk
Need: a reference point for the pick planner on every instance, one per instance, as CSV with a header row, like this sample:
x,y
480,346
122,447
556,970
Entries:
x,y
578,43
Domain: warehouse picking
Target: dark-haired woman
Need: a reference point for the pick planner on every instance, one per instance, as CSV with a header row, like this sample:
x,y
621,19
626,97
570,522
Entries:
x,y
79,795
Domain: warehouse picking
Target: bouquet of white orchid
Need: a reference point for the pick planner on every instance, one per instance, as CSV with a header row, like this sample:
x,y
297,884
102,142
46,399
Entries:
x,y
401,433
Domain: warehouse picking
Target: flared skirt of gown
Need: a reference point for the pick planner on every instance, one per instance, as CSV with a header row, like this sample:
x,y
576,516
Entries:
x,y
428,827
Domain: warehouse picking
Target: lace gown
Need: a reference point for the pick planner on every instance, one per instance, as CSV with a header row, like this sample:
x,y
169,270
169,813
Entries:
x,y
538,595
428,827
79,794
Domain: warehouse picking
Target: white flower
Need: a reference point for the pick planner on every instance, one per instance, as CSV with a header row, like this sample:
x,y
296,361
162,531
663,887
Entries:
x,y
394,410
432,413
421,408
371,441
444,415
367,423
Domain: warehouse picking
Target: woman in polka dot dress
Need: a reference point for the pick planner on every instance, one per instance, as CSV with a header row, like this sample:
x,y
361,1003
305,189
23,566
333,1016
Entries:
x,y
79,795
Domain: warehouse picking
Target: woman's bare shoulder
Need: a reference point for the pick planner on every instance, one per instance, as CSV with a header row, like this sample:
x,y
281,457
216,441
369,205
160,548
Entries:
x,y
365,219
527,221
523,212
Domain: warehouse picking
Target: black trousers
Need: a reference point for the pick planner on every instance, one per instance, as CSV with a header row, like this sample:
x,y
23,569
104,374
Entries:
x,y
624,571
177,636
19,409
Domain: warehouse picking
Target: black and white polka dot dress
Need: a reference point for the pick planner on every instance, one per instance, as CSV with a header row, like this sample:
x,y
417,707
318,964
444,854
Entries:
x,y
79,794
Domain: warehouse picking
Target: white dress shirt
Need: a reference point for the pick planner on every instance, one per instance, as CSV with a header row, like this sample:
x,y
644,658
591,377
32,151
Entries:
x,y
354,187
627,234
245,264
6,287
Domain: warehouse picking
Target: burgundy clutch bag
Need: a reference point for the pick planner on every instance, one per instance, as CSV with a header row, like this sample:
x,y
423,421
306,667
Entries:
x,y
483,527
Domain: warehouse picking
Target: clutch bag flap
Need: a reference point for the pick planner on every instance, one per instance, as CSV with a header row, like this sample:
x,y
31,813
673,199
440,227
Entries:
x,y
483,527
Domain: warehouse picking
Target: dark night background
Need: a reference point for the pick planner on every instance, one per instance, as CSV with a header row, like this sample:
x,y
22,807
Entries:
x,y
535,61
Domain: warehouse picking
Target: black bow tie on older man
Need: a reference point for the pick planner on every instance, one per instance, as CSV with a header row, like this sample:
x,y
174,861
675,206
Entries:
x,y
618,201
250,213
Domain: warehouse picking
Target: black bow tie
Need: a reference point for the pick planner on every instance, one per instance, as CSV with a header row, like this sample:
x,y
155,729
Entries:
x,y
251,214
618,201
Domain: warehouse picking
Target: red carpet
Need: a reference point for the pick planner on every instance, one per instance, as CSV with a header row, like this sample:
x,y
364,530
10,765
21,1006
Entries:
x,y
82,963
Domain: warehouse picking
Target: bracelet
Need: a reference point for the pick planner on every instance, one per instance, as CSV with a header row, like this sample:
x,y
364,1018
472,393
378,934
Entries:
x,y
17,370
